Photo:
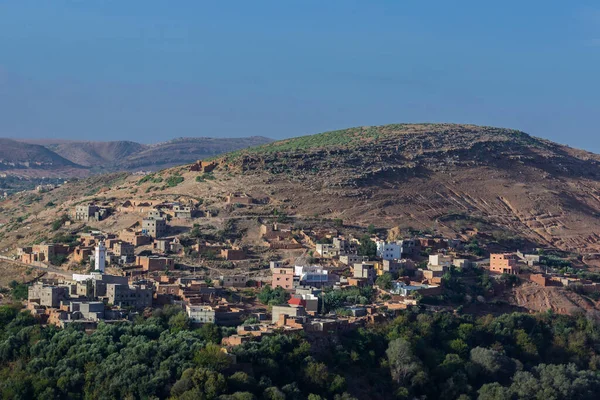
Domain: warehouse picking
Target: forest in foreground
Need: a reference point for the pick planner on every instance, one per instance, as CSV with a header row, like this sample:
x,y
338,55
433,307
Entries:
x,y
416,355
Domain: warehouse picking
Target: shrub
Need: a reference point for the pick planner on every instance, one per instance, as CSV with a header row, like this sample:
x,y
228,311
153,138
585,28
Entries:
x,y
174,180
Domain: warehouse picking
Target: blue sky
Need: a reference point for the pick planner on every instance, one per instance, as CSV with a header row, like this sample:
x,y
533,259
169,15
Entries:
x,y
152,70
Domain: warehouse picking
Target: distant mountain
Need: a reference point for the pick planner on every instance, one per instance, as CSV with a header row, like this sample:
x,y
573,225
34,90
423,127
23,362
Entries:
x,y
103,155
186,150
59,157
16,155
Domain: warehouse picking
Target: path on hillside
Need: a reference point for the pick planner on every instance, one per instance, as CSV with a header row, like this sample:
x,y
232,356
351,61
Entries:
x,y
48,269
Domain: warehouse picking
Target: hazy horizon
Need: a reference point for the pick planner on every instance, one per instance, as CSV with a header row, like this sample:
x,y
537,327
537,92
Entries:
x,y
146,71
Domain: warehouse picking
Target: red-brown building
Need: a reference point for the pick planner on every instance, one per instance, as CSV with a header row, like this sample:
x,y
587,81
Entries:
x,y
203,166
504,264
153,263
233,254
283,277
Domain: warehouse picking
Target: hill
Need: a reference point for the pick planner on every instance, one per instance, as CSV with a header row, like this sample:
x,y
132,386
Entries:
x,y
34,158
437,176
96,157
105,155
444,178
185,150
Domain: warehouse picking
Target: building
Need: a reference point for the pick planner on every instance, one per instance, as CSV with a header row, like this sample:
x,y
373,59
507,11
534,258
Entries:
x,y
393,267
135,238
233,254
462,263
278,311
504,264
403,289
282,277
327,250
82,253
122,295
162,245
41,252
432,275
94,285
365,271
234,281
388,251
529,259
46,295
125,251
541,279
309,301
155,263
155,213
168,245
238,198
203,166
218,315
345,246
154,227
100,257
200,314
439,260
351,259
409,247
90,212
87,310
275,231
314,276
181,211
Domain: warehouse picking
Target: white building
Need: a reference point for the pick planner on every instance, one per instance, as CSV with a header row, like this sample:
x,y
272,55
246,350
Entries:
x,y
388,251
440,260
327,250
311,275
200,314
100,257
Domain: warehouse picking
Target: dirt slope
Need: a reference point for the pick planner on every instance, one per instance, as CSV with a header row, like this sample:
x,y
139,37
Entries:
x,y
442,177
558,299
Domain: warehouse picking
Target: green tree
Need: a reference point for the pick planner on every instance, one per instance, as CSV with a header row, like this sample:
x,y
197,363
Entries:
x,y
367,247
275,296
179,322
211,333
384,281
403,364
273,393
18,290
212,357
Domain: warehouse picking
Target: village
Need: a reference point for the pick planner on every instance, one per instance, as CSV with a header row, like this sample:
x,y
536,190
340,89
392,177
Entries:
x,y
319,278
334,282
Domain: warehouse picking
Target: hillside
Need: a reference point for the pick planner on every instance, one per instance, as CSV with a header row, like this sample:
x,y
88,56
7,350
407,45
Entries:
x,y
430,177
437,176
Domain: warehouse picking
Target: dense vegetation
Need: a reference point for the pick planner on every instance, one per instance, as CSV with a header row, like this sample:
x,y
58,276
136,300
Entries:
x,y
415,355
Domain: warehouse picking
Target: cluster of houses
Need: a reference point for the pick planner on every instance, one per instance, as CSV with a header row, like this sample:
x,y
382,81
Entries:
x,y
148,278
98,296
279,237
87,299
120,248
